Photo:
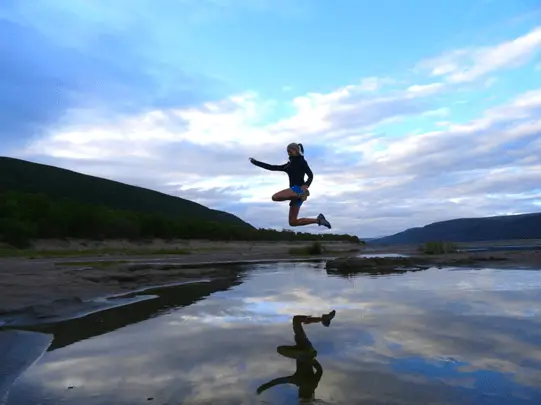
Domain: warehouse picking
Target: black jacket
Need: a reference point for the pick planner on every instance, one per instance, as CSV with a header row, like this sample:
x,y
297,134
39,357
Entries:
x,y
296,168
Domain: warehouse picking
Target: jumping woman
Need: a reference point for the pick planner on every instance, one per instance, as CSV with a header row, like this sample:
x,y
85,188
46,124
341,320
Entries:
x,y
296,168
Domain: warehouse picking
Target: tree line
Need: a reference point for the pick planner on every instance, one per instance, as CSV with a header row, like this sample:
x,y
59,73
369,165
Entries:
x,y
28,216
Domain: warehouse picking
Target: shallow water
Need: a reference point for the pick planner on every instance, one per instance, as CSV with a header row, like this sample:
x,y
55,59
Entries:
x,y
441,336
500,248
381,255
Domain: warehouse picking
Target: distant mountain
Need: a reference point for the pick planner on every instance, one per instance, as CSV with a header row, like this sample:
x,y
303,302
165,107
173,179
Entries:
x,y
24,176
524,226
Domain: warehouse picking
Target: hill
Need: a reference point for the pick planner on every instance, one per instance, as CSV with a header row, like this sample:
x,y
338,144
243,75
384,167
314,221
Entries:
x,y
524,226
54,182
45,202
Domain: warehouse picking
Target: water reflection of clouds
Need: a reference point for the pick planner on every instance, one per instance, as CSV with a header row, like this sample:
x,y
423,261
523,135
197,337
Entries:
x,y
418,337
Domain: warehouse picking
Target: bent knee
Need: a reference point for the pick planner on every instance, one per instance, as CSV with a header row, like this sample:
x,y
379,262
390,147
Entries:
x,y
275,197
293,222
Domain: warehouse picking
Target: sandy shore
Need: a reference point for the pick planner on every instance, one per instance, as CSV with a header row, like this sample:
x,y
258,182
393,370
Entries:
x,y
40,284
44,285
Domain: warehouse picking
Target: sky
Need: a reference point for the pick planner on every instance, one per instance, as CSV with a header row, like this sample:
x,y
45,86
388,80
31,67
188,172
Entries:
x,y
409,112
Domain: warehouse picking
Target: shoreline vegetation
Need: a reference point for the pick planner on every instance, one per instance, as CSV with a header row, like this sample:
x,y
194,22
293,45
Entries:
x,y
81,248
27,217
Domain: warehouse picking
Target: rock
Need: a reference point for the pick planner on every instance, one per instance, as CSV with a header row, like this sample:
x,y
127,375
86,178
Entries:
x,y
376,265
389,265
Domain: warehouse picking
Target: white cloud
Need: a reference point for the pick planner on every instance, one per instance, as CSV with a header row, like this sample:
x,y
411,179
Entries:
x,y
426,88
369,179
375,83
467,65
440,112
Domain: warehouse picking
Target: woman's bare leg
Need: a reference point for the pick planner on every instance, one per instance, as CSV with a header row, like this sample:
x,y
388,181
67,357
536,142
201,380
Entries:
x,y
284,195
294,221
325,319
306,319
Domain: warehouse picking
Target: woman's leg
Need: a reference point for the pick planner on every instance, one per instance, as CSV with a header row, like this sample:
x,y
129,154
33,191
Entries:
x,y
292,193
284,195
293,214
298,320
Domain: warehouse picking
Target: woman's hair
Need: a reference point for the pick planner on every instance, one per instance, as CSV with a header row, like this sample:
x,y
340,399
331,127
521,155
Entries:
x,y
298,147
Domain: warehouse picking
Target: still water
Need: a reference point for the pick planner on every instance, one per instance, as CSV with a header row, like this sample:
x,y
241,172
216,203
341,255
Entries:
x,y
440,336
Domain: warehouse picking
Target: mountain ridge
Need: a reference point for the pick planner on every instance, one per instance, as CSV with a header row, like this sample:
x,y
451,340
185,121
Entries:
x,y
32,177
475,229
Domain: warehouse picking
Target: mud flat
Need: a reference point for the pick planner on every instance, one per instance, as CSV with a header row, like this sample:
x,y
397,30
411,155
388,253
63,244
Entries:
x,y
382,265
43,287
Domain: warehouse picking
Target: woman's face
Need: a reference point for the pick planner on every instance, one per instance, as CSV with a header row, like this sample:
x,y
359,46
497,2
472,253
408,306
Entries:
x,y
292,152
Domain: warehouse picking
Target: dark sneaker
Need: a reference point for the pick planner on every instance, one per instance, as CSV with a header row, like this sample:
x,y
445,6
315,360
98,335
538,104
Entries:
x,y
322,221
327,318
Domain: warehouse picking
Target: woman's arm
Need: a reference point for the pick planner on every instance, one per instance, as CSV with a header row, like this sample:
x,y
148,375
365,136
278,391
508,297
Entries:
x,y
319,369
272,383
309,173
274,168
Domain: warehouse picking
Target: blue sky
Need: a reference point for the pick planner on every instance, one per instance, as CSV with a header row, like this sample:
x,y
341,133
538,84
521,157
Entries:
x,y
404,108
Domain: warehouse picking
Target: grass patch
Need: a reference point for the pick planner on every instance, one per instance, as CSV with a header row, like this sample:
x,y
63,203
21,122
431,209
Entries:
x,y
437,248
100,264
342,251
314,248
170,251
34,254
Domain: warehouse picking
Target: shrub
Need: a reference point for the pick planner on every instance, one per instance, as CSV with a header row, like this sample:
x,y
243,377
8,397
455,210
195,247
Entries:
x,y
437,248
315,248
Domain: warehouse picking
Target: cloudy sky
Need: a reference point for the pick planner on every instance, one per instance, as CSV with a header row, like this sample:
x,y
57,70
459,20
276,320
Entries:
x,y
410,112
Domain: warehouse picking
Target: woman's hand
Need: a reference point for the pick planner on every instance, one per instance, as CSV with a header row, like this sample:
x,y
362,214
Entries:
x,y
251,160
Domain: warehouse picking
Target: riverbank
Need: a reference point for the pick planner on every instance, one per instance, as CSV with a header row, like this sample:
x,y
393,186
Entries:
x,y
48,278
44,286
51,248
380,265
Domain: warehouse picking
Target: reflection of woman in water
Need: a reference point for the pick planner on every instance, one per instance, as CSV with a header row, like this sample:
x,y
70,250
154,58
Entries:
x,y
305,355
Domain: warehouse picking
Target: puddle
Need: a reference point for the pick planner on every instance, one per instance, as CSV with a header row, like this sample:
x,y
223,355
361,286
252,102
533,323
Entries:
x,y
439,336
381,255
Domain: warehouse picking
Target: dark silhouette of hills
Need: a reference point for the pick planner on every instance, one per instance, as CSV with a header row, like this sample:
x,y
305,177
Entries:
x,y
45,202
54,182
524,226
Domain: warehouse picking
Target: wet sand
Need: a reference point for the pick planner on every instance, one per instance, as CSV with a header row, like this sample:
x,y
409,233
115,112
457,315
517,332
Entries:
x,y
48,284
44,287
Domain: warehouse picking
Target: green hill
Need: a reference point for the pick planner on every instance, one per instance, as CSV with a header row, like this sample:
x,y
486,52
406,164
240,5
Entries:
x,y
45,202
29,177
508,227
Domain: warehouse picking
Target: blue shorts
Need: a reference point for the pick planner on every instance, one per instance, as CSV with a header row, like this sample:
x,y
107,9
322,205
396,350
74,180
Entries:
x,y
298,190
